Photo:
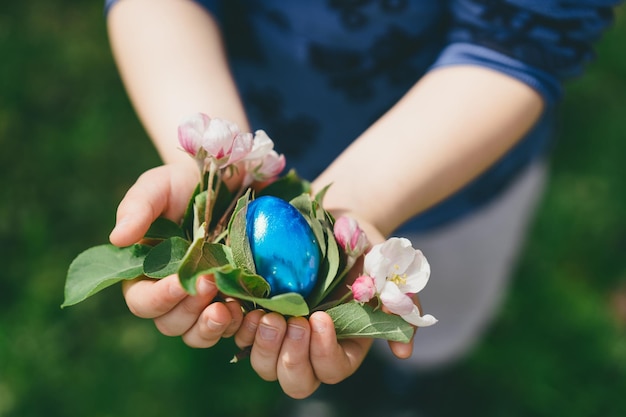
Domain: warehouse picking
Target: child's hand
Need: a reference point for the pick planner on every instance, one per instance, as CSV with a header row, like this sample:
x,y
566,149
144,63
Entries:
x,y
200,320
299,353
302,354
165,191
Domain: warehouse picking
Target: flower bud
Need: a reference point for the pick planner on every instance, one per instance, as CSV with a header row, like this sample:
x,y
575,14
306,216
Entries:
x,y
225,143
267,168
350,236
261,146
363,289
191,133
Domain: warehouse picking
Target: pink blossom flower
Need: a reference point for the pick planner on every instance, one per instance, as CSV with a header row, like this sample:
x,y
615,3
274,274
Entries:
x,y
191,133
350,236
225,144
363,289
264,169
263,163
214,140
399,272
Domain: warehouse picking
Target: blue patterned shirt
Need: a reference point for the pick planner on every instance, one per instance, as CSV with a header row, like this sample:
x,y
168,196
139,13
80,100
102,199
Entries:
x,y
315,74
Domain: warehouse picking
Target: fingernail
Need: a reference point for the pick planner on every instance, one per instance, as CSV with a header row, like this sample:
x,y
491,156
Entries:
x,y
176,291
204,286
267,332
251,326
318,326
213,325
295,332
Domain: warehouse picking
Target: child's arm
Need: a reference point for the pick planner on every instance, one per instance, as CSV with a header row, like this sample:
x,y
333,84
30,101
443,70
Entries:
x,y
172,62
447,129
450,127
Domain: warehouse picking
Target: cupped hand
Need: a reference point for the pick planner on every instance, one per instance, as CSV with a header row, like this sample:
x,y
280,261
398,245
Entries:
x,y
301,354
199,319
304,353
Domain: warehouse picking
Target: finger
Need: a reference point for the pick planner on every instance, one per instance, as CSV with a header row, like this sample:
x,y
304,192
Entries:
x,y
148,298
294,370
402,350
399,349
334,361
142,204
213,324
236,314
184,315
267,343
151,196
247,331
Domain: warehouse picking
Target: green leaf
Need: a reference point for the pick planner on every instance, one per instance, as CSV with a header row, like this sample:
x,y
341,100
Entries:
x,y
355,320
165,258
323,216
241,204
287,187
303,204
242,254
163,228
188,219
319,197
328,276
288,304
100,267
237,283
329,268
319,233
201,257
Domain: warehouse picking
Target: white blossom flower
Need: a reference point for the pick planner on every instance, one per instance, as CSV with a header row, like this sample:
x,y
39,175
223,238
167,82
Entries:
x,y
399,272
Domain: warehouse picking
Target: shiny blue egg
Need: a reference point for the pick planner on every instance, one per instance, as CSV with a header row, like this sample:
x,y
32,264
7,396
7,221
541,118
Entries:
x,y
284,248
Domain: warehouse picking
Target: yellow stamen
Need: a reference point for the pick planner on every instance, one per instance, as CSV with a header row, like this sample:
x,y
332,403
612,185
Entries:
x,y
398,279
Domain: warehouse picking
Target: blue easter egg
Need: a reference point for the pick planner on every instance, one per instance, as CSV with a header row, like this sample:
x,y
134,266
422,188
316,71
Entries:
x,y
284,249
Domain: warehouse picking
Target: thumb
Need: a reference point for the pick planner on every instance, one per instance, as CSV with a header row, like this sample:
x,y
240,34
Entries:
x,y
164,190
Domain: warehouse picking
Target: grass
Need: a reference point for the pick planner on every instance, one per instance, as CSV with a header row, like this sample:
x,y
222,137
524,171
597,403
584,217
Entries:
x,y
71,146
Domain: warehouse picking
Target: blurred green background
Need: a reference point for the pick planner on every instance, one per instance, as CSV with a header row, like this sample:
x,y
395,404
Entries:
x,y
70,147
